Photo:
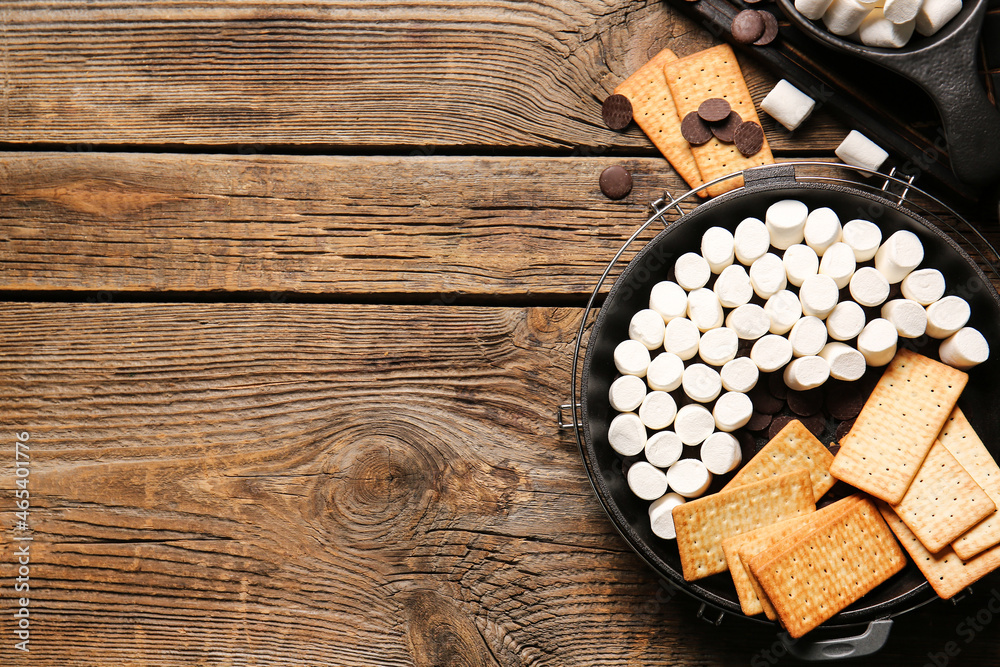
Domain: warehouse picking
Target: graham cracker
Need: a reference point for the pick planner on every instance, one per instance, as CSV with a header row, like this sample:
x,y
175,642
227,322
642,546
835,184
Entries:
x,y
654,111
704,523
840,559
715,72
793,447
943,501
961,440
900,421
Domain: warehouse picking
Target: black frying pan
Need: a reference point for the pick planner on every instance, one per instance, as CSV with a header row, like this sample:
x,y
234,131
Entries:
x,y
944,65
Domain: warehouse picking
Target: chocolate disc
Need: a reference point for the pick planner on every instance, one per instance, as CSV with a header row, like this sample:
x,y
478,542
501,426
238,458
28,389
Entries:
x,y
770,28
780,422
714,110
725,129
694,130
843,428
806,403
776,385
749,138
616,182
617,112
759,421
748,26
815,423
763,401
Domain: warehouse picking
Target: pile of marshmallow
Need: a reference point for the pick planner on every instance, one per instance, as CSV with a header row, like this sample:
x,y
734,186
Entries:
x,y
798,322
880,23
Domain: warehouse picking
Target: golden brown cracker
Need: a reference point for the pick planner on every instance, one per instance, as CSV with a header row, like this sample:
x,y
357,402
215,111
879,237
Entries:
x,y
793,447
966,446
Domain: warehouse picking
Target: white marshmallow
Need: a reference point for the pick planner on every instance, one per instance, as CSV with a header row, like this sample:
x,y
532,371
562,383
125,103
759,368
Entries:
x,y
664,448
933,14
767,275
845,362
800,262
819,295
946,316
704,309
646,481
864,237
693,424
878,31
900,11
657,410
751,240
733,287
740,374
668,299
681,337
771,352
721,453
732,411
843,17
806,373
661,518
812,9
664,372
631,358
748,322
701,383
838,263
964,349
786,222
626,434
626,393
717,346
869,287
787,104
925,286
909,317
647,327
689,477
718,248
784,310
877,342
691,271
822,230
845,321
807,337
858,150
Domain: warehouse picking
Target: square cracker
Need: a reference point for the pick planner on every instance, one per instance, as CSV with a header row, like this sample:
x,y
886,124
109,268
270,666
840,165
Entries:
x,y
943,501
900,421
715,72
702,524
964,444
653,110
793,447
945,571
831,565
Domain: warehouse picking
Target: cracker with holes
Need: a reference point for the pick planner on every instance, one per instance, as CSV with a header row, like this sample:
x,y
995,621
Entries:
x,y
961,440
900,421
707,74
703,524
819,571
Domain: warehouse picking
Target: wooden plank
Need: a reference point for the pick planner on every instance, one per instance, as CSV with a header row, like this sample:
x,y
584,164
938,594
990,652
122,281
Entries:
x,y
336,73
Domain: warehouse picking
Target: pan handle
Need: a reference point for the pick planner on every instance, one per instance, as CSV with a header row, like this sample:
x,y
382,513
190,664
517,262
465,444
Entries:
x,y
868,642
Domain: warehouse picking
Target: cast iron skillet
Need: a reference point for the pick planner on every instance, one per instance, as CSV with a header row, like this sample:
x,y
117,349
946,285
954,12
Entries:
x,y
944,65
630,293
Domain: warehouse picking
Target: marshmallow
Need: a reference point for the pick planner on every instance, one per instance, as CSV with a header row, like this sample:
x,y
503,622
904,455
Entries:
x,y
877,342
681,337
845,362
657,410
646,481
740,374
901,11
627,435
806,373
661,518
786,222
631,358
668,299
787,104
689,477
807,337
812,9
626,393
964,349
909,317
664,448
819,295
717,346
878,31
771,352
647,327
838,263
925,286
751,240
691,271
732,411
693,424
784,310
748,322
822,230
718,248
721,453
858,150
933,14
869,287
845,321
800,262
843,17
767,275
701,383
664,372
704,309
733,287
864,237
946,316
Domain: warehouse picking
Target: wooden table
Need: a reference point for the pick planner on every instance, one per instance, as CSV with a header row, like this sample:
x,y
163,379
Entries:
x,y
290,292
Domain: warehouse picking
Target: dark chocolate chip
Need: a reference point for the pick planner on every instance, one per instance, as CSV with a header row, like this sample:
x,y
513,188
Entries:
x,y
759,421
763,401
714,109
806,403
748,26
779,422
815,423
749,138
770,28
724,129
845,401
694,130
776,385
748,444
843,428
616,182
617,112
